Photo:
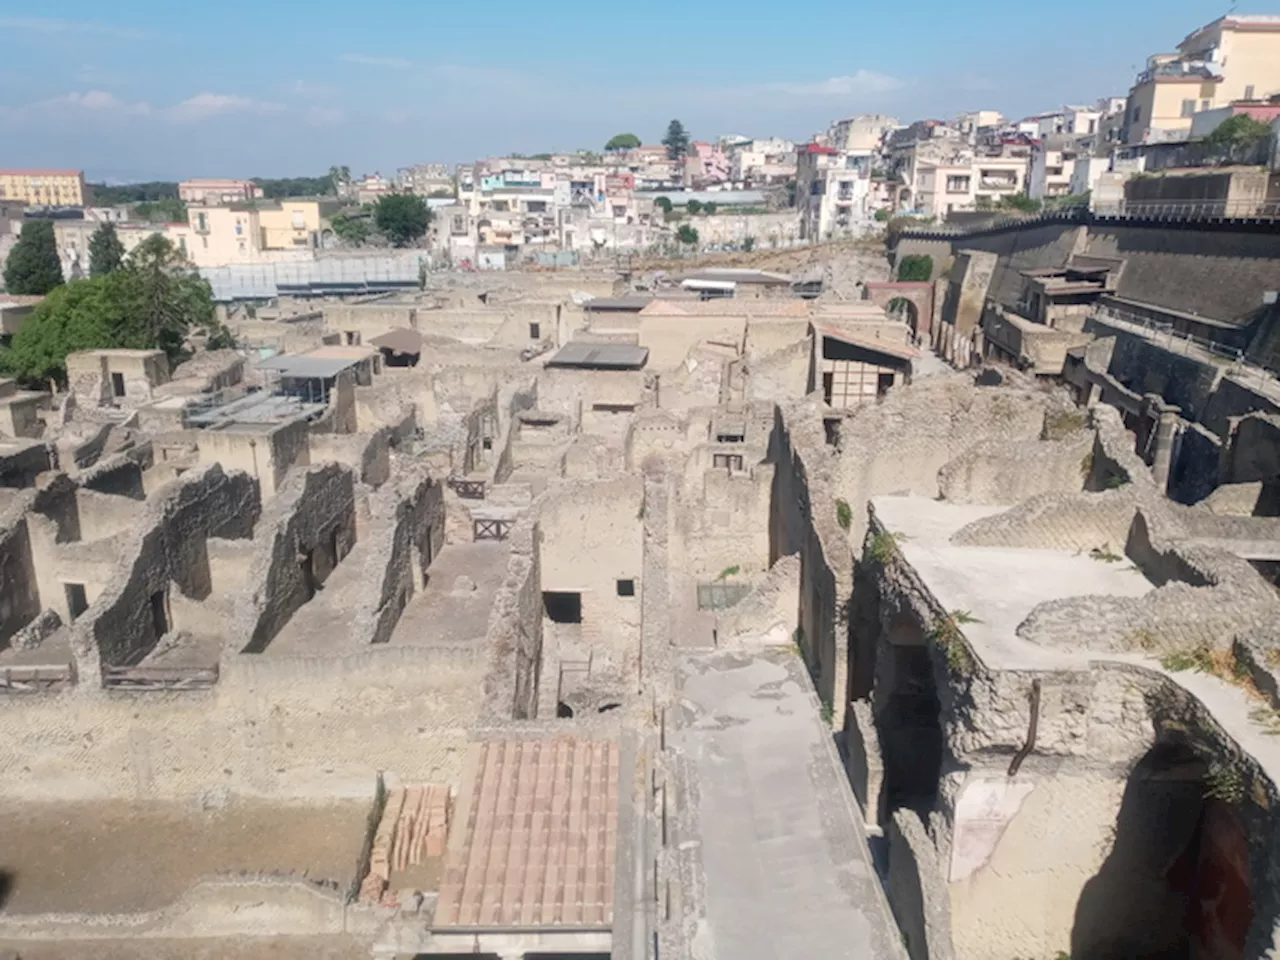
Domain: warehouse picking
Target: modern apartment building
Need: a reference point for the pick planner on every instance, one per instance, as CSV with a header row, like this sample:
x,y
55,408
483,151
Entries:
x,y
220,235
1236,57
833,189
44,188
212,191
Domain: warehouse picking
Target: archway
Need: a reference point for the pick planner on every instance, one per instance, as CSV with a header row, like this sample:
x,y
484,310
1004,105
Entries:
x,y
901,308
918,296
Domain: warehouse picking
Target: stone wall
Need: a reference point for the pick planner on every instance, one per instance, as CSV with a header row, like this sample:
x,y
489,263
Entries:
x,y
406,530
19,589
166,549
20,467
514,634
312,516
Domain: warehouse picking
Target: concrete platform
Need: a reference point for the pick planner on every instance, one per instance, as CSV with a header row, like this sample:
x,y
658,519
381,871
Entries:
x,y
1000,586
775,834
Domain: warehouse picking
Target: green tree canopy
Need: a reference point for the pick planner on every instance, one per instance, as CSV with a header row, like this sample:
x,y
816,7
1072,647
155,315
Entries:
x,y
1238,129
621,142
915,268
710,208
164,210
687,234
353,229
153,301
694,207
1020,202
403,217
676,141
663,203
33,267
106,252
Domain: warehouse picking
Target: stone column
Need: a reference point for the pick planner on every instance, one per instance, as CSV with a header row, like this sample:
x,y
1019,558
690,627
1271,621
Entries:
x,y
1166,434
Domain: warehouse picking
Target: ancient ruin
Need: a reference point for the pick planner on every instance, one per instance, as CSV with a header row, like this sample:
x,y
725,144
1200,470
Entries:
x,y
559,614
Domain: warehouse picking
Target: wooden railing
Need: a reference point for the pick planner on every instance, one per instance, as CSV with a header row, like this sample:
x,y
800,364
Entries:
x,y
491,529
160,678
43,679
467,489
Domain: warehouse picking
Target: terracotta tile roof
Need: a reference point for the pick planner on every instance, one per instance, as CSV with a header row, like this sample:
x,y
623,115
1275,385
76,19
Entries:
x,y
534,836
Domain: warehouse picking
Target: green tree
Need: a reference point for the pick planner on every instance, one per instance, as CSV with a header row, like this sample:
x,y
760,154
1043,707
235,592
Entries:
x,y
622,142
1020,202
106,252
154,300
748,244
915,268
694,207
710,209
403,217
686,234
171,297
676,141
1238,129
33,267
882,215
353,229
663,204
164,210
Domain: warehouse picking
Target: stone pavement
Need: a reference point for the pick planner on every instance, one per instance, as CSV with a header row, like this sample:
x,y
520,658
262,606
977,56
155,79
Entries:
x,y
781,860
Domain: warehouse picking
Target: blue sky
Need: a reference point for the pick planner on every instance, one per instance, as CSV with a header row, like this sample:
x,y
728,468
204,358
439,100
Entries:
x,y
147,89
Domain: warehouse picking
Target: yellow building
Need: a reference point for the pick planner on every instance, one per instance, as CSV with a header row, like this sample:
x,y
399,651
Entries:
x,y
1232,58
44,188
252,233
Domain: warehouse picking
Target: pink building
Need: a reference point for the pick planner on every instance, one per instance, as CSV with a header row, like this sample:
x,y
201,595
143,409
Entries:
x,y
706,163
213,192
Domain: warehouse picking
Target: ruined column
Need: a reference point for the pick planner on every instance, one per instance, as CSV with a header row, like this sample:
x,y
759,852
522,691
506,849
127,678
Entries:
x,y
1166,434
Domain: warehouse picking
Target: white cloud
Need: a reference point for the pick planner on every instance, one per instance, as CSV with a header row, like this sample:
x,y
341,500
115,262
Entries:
x,y
858,83
52,27
98,101
386,63
204,105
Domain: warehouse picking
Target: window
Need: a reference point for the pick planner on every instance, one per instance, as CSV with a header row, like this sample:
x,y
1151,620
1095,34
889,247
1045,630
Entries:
x,y
1137,114
562,607
77,603
1188,108
535,331
730,438
117,384
626,588
729,461
1248,92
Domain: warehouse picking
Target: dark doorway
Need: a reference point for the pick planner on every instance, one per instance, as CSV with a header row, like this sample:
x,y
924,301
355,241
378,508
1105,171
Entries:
x,y
907,716
117,384
334,546
307,569
562,607
1176,882
828,386
159,613
77,603
883,384
564,711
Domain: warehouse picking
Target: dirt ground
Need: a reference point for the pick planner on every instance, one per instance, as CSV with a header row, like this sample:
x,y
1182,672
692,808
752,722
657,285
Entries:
x,y
114,856
266,948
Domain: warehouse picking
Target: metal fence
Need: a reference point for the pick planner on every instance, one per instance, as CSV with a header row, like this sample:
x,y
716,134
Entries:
x,y
1178,211
1178,341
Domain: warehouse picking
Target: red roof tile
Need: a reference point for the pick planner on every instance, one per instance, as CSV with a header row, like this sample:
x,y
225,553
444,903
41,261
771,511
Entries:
x,y
534,837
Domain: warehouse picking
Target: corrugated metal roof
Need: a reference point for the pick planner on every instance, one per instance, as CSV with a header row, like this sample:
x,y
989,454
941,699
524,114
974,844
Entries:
x,y
291,365
534,837
612,356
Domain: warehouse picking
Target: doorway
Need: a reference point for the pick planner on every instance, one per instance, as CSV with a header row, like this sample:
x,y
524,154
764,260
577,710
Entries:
x,y
562,607
77,602
160,613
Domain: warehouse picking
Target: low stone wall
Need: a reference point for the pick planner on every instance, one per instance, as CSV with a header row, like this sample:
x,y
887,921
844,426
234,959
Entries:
x,y
255,906
514,635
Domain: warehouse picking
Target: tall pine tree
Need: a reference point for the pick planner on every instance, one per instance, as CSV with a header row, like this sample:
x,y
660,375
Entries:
x,y
676,141
106,252
33,267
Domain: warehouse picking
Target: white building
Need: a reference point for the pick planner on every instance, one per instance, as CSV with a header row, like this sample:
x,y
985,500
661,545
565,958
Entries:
x,y
763,161
833,189
1053,160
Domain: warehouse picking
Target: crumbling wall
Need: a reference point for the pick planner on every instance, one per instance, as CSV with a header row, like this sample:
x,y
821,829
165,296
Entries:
x,y
19,468
997,471
167,547
406,529
766,615
514,634
367,454
19,589
303,535
120,476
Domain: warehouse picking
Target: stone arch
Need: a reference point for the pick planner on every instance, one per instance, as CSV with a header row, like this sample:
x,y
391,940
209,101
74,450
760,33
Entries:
x,y
918,297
